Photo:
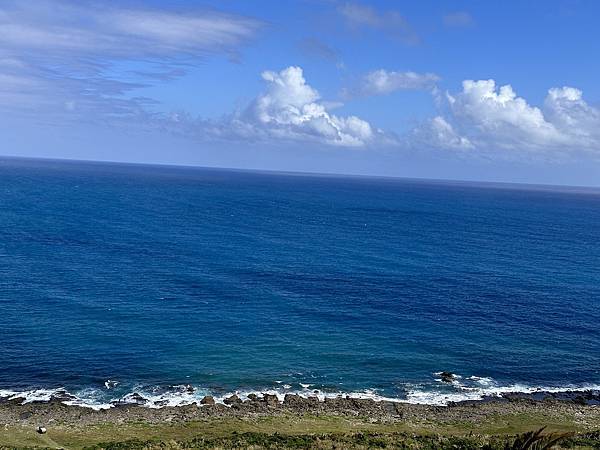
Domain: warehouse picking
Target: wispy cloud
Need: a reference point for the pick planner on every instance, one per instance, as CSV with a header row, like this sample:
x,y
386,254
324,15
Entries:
x,y
458,19
315,47
83,30
359,16
382,82
62,55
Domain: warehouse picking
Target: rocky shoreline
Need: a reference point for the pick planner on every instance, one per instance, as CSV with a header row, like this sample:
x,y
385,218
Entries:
x,y
14,411
260,421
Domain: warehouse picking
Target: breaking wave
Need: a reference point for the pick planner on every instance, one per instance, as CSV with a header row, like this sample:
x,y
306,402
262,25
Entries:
x,y
459,389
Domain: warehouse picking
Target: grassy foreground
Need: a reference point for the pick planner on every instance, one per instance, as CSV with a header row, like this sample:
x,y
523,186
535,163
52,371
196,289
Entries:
x,y
302,431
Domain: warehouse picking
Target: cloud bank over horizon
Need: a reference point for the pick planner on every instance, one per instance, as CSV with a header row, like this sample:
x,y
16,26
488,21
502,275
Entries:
x,y
346,83
481,120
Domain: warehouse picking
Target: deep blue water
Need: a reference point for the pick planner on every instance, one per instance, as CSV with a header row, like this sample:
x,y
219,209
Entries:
x,y
227,280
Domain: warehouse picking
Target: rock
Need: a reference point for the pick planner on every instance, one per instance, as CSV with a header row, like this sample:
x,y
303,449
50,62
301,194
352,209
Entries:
x,y
234,399
447,377
129,399
334,401
363,403
252,397
110,384
41,430
207,400
293,400
62,396
25,415
271,400
14,400
137,398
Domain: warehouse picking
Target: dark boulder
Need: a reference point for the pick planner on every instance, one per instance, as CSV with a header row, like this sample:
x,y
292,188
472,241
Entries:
x,y
336,403
135,398
62,396
207,400
234,399
447,377
271,400
293,400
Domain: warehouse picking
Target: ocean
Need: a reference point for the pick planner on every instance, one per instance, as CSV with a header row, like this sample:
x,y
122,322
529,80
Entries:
x,y
176,282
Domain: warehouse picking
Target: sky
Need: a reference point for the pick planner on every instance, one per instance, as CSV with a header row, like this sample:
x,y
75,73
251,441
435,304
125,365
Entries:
x,y
475,90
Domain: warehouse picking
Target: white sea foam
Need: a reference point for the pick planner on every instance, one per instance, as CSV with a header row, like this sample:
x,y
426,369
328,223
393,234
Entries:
x,y
29,396
479,388
462,389
321,395
110,384
86,403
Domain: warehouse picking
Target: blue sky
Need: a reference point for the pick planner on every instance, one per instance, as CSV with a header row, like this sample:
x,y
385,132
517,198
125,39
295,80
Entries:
x,y
494,90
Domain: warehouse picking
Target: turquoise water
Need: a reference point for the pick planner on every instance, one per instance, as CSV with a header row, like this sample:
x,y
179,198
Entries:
x,y
177,282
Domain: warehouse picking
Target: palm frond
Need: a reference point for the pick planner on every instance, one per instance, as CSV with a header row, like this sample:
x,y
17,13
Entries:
x,y
536,440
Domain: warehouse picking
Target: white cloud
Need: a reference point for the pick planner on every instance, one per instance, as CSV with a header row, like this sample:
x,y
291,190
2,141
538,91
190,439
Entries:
x,y
572,116
288,110
291,108
381,81
57,53
498,115
438,133
80,29
489,118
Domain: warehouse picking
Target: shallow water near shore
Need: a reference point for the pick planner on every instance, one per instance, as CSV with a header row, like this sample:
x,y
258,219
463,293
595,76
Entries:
x,y
181,282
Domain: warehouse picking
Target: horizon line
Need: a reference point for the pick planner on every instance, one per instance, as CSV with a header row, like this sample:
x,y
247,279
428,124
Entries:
x,y
489,183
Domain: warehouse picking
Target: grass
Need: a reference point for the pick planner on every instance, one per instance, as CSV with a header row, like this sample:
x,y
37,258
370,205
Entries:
x,y
293,431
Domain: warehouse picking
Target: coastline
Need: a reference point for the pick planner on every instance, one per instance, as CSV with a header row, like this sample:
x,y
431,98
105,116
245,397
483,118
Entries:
x,y
186,394
494,418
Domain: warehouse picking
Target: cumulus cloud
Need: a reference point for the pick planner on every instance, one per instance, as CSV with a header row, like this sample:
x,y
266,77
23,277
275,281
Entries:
x,y
565,108
290,109
359,16
487,117
380,82
438,133
497,114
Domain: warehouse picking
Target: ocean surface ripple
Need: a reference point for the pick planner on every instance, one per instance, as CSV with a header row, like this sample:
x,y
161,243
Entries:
x,y
178,282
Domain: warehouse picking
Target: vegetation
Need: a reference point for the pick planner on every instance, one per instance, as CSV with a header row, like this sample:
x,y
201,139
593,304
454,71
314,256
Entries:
x,y
534,440
288,433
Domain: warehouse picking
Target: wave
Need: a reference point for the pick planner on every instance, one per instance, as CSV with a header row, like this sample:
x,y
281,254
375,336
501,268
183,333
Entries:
x,y
463,393
471,388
